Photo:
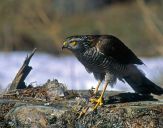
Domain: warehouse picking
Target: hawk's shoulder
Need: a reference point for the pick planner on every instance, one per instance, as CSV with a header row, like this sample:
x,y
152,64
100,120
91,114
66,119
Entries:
x,y
115,48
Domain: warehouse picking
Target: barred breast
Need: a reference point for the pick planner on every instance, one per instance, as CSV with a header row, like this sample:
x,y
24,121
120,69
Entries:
x,y
96,61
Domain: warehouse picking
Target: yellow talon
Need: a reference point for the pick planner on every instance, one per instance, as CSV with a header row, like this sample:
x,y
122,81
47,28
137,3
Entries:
x,y
93,100
99,102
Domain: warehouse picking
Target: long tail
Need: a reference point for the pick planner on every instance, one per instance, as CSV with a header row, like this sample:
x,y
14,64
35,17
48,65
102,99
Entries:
x,y
141,84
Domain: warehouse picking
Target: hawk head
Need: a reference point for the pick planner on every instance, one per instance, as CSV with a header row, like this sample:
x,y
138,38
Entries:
x,y
78,43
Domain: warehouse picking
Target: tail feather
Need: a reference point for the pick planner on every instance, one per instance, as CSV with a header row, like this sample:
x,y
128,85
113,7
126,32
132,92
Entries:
x,y
141,84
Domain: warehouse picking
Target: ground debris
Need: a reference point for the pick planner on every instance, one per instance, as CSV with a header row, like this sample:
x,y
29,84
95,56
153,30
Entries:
x,y
50,91
4,109
52,105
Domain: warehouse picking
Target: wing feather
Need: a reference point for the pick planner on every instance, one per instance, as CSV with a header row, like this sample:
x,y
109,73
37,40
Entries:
x,y
113,47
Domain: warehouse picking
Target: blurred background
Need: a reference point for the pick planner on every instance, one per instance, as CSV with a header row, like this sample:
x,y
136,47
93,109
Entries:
x,y
28,24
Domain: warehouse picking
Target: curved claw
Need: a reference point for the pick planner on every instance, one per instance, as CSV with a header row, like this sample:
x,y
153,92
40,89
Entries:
x,y
93,100
99,102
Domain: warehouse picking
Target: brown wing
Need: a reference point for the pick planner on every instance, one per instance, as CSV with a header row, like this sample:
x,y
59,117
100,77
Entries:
x,y
113,47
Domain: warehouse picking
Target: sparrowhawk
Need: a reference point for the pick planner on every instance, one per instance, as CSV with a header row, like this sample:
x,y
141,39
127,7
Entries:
x,y
109,59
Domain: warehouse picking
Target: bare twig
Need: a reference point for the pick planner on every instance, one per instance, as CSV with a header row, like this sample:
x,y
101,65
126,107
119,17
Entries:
x,y
18,82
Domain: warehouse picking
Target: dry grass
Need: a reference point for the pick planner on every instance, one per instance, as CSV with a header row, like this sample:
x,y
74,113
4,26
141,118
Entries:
x,y
28,24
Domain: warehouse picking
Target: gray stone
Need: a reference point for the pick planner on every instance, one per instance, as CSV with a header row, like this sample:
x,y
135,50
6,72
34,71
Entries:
x,y
120,110
54,89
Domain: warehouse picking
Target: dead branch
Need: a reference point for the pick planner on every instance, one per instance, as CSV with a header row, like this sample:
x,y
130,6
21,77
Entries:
x,y
18,82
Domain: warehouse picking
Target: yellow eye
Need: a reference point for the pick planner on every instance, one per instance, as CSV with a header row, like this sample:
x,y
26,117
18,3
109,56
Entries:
x,y
74,43
65,43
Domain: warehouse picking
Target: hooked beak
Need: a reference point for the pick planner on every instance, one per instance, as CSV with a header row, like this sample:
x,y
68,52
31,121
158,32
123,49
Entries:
x,y
65,45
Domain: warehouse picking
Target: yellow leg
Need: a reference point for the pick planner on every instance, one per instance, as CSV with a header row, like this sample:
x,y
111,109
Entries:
x,y
99,101
84,110
96,90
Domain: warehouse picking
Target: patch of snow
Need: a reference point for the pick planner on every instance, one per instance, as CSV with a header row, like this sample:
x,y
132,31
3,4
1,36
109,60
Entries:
x,y
66,69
